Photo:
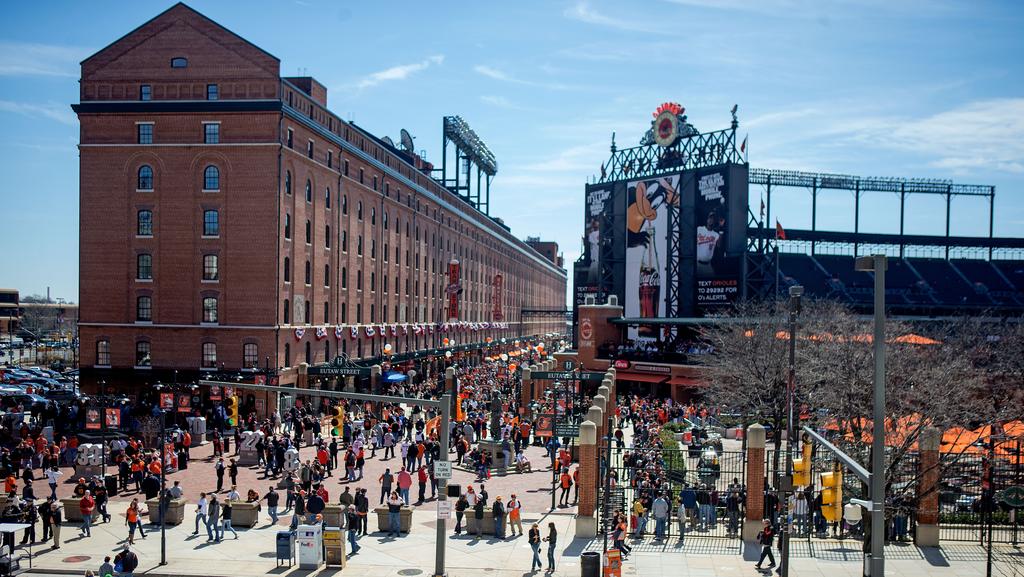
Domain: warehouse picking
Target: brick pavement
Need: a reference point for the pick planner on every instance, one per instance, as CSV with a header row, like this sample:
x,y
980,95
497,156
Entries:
x,y
533,489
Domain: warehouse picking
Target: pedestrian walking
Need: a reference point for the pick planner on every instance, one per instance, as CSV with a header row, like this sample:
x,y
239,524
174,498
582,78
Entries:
x,y
132,521
225,516
87,505
766,538
212,518
404,483
353,523
202,508
56,517
53,478
219,469
272,499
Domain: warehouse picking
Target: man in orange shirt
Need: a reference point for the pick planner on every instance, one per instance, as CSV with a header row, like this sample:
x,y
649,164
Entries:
x,y
565,482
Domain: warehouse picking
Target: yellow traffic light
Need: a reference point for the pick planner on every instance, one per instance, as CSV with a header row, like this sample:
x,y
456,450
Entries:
x,y
337,419
832,495
802,467
231,405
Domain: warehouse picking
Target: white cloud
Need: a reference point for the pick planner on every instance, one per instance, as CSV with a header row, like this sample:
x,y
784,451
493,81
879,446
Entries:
x,y
502,76
582,11
984,135
399,72
29,59
59,112
501,102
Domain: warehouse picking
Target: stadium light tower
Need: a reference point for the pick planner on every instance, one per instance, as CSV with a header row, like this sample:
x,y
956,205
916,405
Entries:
x,y
875,563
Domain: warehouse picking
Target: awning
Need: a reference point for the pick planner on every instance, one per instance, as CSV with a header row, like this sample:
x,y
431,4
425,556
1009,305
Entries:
x,y
687,382
639,377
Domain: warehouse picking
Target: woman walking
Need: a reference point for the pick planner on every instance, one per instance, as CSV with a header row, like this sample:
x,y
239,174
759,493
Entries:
x,y
132,521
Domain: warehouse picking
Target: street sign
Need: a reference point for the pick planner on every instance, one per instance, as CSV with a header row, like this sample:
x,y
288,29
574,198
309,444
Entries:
x,y
566,429
1014,496
567,376
331,371
444,509
442,470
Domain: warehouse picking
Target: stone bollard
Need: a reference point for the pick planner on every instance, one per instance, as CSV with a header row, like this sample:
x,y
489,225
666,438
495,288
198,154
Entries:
x,y
755,482
596,415
586,520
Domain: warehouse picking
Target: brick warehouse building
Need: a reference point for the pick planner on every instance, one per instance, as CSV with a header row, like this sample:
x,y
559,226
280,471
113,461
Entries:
x,y
227,214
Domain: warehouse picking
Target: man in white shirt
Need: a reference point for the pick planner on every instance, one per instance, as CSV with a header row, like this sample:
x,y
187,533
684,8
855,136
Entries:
x,y
202,509
707,243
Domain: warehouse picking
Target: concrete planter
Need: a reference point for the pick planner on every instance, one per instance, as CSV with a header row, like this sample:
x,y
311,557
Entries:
x,y
175,511
333,515
73,512
488,522
245,514
383,525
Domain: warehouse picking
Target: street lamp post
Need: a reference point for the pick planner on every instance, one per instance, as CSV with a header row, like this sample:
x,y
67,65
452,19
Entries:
x,y
795,294
875,566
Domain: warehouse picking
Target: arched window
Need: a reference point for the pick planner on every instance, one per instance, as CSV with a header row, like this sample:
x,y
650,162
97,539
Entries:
x,y
359,210
309,191
250,355
210,310
309,354
209,355
103,353
211,178
145,178
344,277
142,358
179,62
287,269
144,309
309,273
287,316
144,267
327,196
145,223
344,204
327,275
288,182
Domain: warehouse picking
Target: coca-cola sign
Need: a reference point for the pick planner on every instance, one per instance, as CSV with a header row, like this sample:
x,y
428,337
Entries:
x,y
622,364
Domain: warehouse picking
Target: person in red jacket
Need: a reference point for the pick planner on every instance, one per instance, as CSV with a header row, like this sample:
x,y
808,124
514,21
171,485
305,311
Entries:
x,y
421,478
87,505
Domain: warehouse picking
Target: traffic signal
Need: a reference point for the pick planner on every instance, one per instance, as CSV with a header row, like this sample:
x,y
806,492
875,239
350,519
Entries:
x,y
337,419
832,495
231,407
802,466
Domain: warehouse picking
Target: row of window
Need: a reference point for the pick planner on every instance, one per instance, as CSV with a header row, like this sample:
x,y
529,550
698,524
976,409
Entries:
x,y
143,354
211,132
144,182
144,223
144,267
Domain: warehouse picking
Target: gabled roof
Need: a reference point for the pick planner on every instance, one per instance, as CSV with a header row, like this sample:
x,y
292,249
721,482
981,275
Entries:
x,y
175,9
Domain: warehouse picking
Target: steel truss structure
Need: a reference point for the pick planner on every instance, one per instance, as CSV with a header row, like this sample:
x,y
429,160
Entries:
x,y
697,151
818,182
469,151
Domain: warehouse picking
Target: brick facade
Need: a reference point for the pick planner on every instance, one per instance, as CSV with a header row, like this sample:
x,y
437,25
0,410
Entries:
x,y
381,233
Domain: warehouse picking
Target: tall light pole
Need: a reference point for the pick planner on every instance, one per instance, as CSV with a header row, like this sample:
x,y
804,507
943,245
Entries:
x,y
795,294
875,566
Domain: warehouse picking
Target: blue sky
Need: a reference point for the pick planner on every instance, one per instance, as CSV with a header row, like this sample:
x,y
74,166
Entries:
x,y
924,88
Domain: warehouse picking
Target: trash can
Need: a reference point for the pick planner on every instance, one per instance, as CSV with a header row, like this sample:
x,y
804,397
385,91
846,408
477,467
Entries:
x,y
110,484
285,547
590,564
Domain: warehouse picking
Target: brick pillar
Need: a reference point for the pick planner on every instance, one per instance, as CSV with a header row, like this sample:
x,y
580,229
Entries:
x,y
526,389
755,482
927,534
302,377
535,391
596,415
600,403
375,379
586,521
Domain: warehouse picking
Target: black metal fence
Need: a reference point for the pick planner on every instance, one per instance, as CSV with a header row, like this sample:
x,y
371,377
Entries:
x,y
710,482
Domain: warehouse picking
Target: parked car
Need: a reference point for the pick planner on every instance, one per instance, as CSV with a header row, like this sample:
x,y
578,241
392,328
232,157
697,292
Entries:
x,y
27,401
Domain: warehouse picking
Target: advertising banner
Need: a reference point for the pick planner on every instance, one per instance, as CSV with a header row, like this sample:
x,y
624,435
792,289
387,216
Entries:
x,y
167,401
92,419
596,205
499,285
453,290
717,276
647,203
184,403
113,418
215,393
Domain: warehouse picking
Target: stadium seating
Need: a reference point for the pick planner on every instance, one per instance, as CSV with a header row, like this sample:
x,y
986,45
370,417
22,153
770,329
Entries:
x,y
913,282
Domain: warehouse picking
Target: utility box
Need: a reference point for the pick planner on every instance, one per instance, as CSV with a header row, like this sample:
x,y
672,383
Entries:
x,y
334,546
309,540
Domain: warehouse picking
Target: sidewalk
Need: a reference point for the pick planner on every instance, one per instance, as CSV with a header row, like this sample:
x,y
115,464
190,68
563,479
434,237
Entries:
x,y
253,554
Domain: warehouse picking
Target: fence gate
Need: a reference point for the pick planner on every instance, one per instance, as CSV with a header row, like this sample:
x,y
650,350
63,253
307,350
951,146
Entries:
x,y
713,481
